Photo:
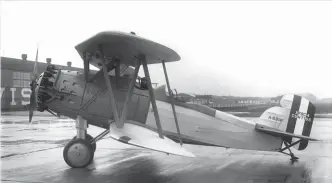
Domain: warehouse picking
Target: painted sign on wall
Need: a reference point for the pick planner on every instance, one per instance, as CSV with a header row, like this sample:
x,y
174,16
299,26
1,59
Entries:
x,y
15,96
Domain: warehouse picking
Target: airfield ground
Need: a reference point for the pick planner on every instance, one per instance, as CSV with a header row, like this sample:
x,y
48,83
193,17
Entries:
x,y
33,153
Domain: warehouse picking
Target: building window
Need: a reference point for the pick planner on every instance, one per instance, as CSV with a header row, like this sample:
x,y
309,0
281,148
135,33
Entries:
x,y
21,79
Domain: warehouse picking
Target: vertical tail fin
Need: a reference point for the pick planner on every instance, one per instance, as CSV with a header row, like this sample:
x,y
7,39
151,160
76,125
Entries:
x,y
295,116
300,118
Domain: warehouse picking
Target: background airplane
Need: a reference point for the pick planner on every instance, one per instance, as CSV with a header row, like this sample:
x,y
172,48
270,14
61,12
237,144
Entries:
x,y
120,103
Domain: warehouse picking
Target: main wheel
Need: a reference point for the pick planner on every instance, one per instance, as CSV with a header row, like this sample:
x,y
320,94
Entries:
x,y
78,153
89,138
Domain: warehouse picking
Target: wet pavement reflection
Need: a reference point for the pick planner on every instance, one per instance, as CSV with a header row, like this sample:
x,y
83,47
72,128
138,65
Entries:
x,y
33,153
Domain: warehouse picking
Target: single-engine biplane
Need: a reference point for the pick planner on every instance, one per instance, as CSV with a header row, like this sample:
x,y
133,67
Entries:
x,y
117,99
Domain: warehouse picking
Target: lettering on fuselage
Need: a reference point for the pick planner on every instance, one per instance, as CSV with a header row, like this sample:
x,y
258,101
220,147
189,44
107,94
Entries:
x,y
301,115
276,118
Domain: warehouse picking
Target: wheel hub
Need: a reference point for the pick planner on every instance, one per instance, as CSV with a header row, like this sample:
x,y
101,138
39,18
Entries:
x,y
78,154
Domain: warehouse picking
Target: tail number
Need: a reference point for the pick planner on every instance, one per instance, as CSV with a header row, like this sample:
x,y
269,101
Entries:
x,y
302,115
276,118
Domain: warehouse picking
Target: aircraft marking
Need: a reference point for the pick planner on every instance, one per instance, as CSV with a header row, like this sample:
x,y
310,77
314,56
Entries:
x,y
292,121
275,118
308,125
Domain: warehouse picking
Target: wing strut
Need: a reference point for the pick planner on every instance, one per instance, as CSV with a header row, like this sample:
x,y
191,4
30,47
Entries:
x,y
86,66
110,66
130,92
110,90
117,72
172,103
152,98
119,120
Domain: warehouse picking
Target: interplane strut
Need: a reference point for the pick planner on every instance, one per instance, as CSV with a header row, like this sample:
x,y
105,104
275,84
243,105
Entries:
x,y
172,102
152,97
120,120
129,93
110,91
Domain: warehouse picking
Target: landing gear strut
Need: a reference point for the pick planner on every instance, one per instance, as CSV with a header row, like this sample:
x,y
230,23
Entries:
x,y
291,154
79,152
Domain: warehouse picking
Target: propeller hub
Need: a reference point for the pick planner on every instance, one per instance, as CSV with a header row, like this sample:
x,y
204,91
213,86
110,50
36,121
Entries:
x,y
42,89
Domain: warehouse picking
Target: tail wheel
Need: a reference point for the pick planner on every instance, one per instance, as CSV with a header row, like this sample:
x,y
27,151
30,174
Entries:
x,y
89,138
78,153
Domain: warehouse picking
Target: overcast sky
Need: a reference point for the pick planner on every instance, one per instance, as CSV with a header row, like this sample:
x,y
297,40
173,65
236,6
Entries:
x,y
237,48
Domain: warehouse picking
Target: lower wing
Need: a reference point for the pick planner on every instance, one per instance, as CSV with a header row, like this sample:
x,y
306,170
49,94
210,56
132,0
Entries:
x,y
137,135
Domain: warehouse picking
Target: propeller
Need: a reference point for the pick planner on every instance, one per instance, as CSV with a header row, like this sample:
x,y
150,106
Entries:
x,y
33,99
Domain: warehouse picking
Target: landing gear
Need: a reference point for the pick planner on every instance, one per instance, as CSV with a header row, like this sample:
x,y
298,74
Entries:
x,y
78,153
89,138
291,154
293,158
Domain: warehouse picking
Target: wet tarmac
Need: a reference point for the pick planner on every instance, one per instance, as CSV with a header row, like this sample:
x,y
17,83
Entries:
x,y
33,153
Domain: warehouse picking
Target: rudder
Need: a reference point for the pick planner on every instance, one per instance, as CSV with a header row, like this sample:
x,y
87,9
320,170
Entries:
x,y
300,119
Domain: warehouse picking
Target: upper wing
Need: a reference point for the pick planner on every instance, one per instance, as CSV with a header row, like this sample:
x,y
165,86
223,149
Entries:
x,y
124,46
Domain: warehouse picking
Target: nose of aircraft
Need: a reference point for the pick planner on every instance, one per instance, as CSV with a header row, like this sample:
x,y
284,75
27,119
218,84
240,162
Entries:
x,y
38,94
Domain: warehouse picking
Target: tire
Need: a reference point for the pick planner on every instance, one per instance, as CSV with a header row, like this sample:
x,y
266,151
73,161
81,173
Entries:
x,y
78,153
89,138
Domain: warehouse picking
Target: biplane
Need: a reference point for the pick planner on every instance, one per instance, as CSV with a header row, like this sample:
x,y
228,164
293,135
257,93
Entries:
x,y
131,111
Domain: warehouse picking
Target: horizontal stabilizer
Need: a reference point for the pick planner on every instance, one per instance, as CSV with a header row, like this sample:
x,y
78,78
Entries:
x,y
142,137
278,133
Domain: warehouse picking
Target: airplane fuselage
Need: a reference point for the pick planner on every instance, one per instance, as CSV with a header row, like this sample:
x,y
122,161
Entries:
x,y
73,96
203,125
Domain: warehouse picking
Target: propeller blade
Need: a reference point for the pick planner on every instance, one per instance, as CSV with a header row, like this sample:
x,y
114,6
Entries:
x,y
30,114
35,68
32,105
33,85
